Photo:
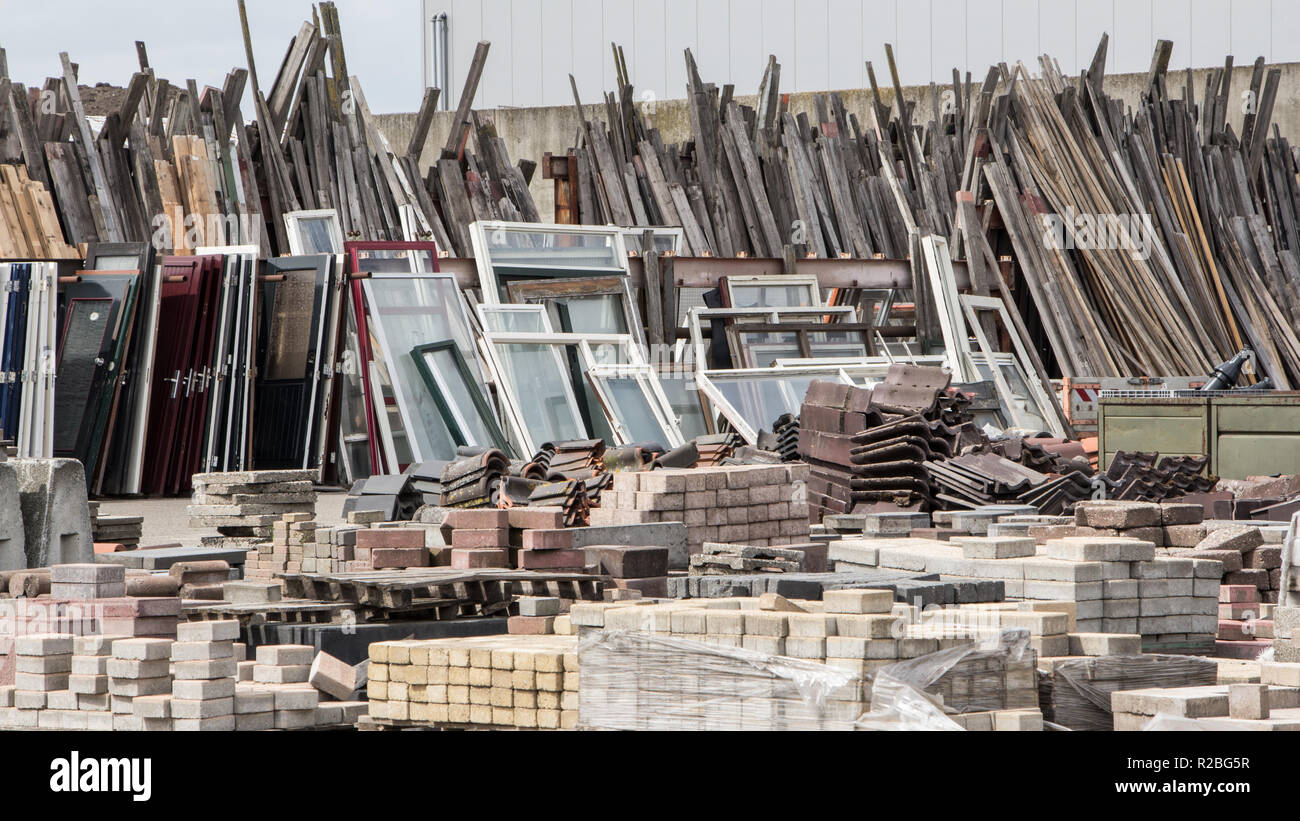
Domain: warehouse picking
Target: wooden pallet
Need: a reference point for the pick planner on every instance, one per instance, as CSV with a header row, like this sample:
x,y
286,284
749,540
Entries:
x,y
281,612
446,592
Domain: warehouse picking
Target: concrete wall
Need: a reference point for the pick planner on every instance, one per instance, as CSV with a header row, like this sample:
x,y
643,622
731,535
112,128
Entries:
x,y
531,132
537,44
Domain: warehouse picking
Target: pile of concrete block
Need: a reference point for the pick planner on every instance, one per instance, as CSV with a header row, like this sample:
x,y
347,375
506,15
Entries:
x,y
1118,584
861,631
528,682
989,677
1247,559
248,503
1073,690
81,611
119,683
1271,704
744,504
1245,623
641,568
388,548
137,668
481,537
204,669
641,681
117,530
289,536
730,559
81,582
540,615
1286,633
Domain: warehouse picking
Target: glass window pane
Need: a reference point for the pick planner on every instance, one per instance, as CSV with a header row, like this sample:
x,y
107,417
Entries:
x,y
760,400
377,261
314,233
684,400
459,396
512,247
632,407
407,312
540,383
509,320
770,296
588,314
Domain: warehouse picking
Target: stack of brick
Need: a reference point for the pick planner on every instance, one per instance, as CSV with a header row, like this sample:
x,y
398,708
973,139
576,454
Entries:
x,y
500,681
89,678
32,616
120,530
248,503
640,681
1271,704
1119,584
1167,524
283,670
289,534
1247,560
1245,631
388,548
728,559
861,631
478,537
82,582
138,668
44,666
334,548
139,616
1074,692
204,667
537,616
548,549
71,707
744,504
642,568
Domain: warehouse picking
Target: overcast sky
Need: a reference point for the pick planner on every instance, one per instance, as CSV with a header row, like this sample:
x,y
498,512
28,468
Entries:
x,y
200,39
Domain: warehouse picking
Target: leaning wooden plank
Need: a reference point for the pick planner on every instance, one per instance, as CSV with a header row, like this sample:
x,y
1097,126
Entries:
x,y
460,124
111,219
420,132
70,190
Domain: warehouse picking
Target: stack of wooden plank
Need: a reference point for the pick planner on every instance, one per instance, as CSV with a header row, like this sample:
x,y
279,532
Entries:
x,y
331,155
755,180
29,226
159,168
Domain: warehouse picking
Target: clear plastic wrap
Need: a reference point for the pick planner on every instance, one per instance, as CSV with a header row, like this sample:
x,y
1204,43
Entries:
x,y
1170,723
642,681
1076,692
996,673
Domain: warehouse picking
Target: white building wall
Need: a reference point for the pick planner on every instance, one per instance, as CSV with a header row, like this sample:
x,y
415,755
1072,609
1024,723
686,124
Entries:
x,y
824,44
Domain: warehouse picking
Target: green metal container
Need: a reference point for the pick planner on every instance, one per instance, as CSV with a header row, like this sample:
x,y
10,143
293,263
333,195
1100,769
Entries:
x,y
1243,434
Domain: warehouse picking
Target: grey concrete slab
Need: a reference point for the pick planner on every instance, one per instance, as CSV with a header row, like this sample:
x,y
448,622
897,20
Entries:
x,y
13,553
55,512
